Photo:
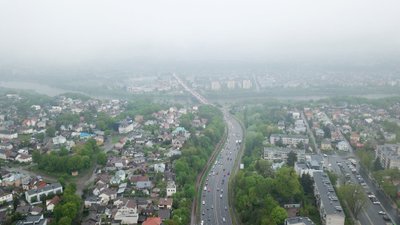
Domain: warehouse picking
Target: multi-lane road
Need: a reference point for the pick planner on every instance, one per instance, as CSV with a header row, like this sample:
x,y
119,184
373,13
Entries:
x,y
214,198
370,214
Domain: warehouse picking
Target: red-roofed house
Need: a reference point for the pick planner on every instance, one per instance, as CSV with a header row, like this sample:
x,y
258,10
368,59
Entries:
x,y
152,221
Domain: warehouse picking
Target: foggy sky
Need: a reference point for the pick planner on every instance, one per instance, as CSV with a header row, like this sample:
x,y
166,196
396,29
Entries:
x,y
68,32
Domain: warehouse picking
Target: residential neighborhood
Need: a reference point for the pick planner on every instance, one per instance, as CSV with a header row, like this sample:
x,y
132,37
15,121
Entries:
x,y
134,185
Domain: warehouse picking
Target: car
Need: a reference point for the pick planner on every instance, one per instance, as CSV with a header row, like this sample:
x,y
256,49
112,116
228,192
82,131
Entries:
x,y
220,195
376,202
226,208
371,196
223,219
382,212
204,213
204,202
212,206
325,155
386,217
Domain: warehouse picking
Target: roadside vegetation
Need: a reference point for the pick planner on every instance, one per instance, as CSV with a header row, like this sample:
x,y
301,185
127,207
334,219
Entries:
x,y
195,154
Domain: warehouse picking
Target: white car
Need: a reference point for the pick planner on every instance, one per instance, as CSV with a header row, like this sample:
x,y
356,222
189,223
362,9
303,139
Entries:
x,y
204,202
382,212
376,202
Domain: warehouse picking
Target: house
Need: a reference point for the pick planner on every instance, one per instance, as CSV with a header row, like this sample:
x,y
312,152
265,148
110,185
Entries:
x,y
326,144
89,201
3,154
164,214
5,196
281,154
152,221
107,194
33,220
354,138
288,139
37,195
126,211
388,155
299,221
141,182
92,219
165,203
36,210
8,135
125,127
159,167
119,176
23,158
59,140
343,146
171,188
52,202
330,210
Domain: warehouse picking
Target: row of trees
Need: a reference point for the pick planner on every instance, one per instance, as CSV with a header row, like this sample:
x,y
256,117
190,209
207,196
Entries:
x,y
194,156
65,162
67,211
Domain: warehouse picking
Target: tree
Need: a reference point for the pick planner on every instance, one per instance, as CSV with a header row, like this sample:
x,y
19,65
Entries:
x,y
279,215
307,183
377,164
51,131
102,158
65,221
355,197
292,158
264,168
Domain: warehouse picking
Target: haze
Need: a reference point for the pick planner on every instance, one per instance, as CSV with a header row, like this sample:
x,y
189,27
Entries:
x,y
75,32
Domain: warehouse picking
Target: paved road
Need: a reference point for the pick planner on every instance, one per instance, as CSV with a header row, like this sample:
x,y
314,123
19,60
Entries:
x,y
214,199
214,208
310,133
341,166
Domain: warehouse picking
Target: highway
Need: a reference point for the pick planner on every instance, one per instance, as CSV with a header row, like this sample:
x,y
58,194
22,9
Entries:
x,y
214,209
214,199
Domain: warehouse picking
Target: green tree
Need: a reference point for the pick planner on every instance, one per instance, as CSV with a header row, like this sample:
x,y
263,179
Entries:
x,y
51,131
65,221
264,167
102,158
292,158
279,215
355,197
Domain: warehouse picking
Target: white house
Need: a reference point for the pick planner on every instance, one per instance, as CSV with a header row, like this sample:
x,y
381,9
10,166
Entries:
x,y
159,168
59,140
5,196
23,158
126,211
37,195
171,188
8,135
125,127
343,146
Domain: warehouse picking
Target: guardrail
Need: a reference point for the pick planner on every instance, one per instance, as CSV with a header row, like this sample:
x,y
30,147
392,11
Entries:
x,y
232,210
200,178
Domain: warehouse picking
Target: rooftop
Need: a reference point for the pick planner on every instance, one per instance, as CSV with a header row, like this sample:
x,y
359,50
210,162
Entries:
x,y
327,194
299,221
